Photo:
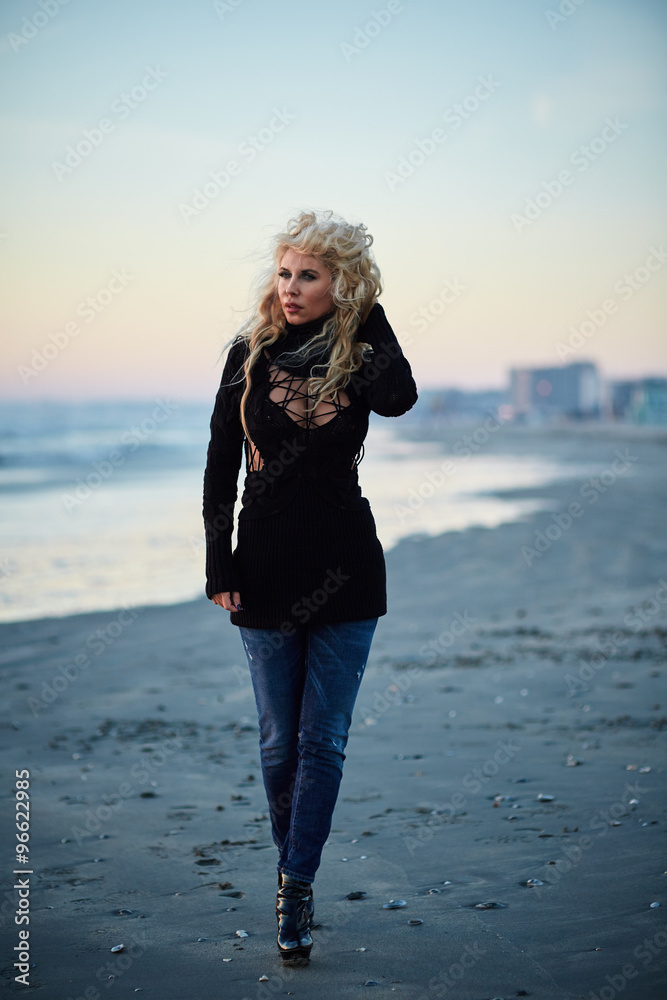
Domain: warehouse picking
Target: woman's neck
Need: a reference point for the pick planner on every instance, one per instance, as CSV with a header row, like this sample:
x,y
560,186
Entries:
x,y
293,351
310,327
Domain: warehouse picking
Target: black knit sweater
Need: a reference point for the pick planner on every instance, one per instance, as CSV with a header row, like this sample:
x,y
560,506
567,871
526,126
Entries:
x,y
307,549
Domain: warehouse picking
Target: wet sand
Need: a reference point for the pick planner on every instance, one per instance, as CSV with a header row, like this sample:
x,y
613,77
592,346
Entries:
x,y
510,727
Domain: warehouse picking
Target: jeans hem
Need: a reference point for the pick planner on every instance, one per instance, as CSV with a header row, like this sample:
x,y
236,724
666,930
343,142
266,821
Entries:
x,y
302,878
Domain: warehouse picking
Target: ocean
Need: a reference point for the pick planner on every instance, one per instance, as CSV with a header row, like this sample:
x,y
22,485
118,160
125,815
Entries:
x,y
100,502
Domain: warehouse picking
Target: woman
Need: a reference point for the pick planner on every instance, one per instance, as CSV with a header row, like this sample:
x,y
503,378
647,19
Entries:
x,y
306,582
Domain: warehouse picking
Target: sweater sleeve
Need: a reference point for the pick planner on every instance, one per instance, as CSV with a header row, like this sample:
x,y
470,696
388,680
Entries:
x,y
385,381
225,452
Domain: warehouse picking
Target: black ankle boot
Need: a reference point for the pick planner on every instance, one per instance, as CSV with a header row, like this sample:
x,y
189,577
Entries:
x,y
294,913
309,904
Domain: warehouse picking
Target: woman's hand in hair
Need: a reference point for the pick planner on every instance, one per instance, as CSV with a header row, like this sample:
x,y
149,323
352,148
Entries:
x,y
230,602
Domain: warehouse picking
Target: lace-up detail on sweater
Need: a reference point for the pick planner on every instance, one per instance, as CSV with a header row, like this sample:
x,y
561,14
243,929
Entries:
x,y
287,390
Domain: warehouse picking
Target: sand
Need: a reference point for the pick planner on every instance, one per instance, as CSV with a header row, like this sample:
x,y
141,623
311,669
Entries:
x,y
501,674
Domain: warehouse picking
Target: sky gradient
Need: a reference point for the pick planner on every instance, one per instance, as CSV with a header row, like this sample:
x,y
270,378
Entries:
x,y
507,157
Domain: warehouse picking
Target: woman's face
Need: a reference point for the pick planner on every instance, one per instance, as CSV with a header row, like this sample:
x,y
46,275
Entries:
x,y
304,287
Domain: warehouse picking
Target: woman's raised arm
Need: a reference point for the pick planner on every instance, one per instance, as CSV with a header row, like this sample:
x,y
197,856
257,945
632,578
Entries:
x,y
385,381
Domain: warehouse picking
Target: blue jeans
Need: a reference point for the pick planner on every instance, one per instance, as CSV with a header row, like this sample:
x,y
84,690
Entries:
x,y
305,687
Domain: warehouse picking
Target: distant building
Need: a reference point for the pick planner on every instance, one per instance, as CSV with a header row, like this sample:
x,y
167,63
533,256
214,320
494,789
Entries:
x,y
620,399
538,394
643,401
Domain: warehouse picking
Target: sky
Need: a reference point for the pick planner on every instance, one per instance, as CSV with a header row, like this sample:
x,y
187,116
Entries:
x,y
508,158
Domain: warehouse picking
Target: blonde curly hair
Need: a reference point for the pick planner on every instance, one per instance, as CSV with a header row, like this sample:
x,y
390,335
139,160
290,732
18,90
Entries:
x,y
344,249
